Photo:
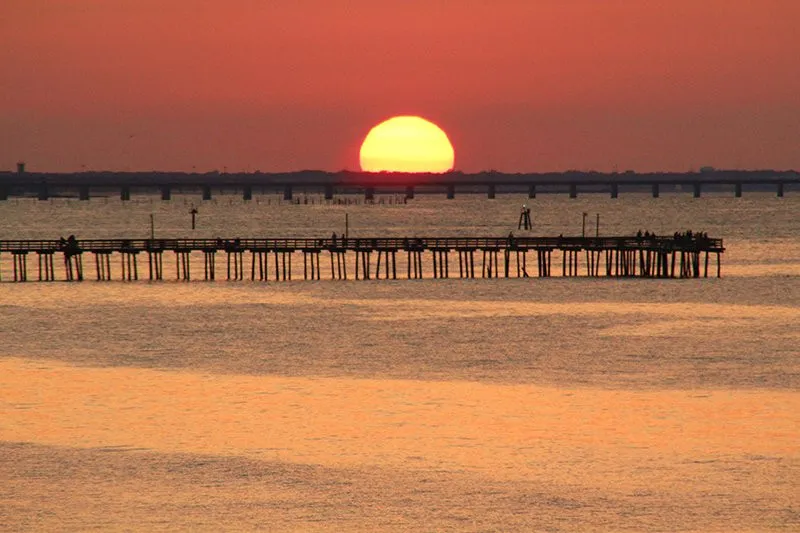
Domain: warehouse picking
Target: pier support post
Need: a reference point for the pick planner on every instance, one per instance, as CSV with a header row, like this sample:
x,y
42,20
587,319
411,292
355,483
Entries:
x,y
155,260
182,266
209,264
46,269
102,261
130,269
20,265
235,257
73,266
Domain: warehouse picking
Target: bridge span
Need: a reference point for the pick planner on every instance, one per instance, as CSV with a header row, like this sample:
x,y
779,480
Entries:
x,y
84,185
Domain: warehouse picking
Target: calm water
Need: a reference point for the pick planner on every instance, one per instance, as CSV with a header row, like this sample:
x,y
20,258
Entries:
x,y
432,405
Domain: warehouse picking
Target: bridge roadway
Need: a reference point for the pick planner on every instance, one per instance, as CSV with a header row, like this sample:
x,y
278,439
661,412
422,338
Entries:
x,y
85,184
627,256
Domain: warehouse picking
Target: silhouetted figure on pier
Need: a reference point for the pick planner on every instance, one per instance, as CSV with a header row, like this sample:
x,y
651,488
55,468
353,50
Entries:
x,y
333,240
70,246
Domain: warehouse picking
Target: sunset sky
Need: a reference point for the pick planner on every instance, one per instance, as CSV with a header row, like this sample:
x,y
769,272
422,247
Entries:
x,y
518,85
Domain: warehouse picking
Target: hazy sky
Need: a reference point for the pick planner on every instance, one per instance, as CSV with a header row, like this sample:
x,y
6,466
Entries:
x,y
519,85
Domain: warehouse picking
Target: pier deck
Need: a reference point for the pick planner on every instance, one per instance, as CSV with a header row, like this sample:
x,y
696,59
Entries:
x,y
678,256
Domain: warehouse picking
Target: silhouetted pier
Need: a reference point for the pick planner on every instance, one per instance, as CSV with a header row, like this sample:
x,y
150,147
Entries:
x,y
263,259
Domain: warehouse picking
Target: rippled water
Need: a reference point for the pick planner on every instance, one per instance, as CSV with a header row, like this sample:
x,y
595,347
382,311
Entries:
x,y
493,405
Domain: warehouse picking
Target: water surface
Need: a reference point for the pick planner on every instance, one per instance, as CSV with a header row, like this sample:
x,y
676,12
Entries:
x,y
505,404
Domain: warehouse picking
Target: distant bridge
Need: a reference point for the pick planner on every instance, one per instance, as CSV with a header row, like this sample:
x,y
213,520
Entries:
x,y
84,185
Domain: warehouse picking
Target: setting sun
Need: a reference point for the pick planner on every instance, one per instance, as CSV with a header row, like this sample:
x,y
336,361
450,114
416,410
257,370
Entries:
x,y
407,144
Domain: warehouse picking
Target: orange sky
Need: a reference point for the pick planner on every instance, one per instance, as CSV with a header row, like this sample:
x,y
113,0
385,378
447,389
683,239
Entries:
x,y
519,85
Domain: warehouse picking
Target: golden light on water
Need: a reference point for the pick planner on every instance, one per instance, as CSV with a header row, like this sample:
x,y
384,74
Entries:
x,y
503,431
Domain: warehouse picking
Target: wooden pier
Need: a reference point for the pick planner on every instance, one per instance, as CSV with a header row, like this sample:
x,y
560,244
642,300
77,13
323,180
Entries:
x,y
278,259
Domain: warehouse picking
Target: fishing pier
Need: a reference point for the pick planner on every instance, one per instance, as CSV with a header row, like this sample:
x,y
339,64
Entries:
x,y
278,259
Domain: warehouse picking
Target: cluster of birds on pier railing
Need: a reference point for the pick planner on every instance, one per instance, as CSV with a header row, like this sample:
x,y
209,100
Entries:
x,y
644,255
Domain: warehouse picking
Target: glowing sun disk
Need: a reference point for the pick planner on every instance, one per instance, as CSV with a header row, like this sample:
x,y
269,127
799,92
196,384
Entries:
x,y
407,144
